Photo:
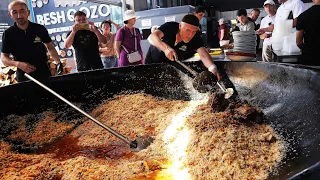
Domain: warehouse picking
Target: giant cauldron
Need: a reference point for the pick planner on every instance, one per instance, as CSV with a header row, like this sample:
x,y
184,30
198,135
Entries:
x,y
288,95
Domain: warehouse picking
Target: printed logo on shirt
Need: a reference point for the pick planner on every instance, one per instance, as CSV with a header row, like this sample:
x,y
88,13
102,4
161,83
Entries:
x,y
183,48
37,40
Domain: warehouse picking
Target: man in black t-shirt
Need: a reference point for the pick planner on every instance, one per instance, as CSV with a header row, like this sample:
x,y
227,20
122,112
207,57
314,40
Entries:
x,y
28,43
308,37
84,38
174,40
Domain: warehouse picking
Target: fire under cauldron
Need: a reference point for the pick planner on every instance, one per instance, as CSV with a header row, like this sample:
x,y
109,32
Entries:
x,y
289,96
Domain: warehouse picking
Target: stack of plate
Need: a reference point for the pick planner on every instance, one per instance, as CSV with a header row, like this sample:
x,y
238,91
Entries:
x,y
244,41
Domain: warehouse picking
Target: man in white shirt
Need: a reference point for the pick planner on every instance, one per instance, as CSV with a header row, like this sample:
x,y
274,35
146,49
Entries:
x,y
270,8
289,9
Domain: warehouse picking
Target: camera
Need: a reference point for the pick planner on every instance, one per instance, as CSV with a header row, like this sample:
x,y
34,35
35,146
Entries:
x,y
83,26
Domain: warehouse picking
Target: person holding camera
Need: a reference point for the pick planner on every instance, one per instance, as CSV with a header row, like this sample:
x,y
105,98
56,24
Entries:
x,y
127,42
85,38
28,43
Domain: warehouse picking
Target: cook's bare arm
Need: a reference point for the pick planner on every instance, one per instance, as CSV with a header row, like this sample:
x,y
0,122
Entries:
x,y
53,52
207,61
155,40
7,61
117,45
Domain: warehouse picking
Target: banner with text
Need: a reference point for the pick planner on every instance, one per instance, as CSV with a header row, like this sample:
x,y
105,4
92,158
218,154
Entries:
x,y
57,17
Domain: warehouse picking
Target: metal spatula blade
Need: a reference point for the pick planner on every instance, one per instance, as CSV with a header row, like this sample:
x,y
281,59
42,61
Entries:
x,y
141,143
203,80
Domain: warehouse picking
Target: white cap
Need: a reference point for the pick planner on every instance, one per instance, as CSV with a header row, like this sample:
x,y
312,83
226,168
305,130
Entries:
x,y
129,14
271,2
221,20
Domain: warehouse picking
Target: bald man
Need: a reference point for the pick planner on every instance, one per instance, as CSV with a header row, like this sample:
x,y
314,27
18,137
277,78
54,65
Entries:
x,y
28,43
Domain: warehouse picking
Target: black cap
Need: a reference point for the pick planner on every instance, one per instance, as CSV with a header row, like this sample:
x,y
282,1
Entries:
x,y
191,19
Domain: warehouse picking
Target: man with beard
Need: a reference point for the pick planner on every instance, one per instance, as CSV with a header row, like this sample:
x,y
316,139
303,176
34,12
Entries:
x,y
28,43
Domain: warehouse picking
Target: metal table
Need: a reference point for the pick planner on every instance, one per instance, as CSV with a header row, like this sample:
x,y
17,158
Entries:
x,y
282,56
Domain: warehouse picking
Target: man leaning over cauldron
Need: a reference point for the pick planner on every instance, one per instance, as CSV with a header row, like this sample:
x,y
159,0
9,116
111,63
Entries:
x,y
27,42
174,40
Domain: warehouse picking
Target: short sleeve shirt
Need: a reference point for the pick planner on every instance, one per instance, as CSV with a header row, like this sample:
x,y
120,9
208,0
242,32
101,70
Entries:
x,y
223,27
128,41
266,22
255,25
183,50
27,46
249,26
307,22
85,44
294,6
109,45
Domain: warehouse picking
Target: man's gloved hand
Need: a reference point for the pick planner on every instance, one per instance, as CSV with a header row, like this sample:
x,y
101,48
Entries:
x,y
60,68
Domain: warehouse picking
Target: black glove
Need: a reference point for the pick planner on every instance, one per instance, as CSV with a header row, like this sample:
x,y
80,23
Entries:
x,y
60,68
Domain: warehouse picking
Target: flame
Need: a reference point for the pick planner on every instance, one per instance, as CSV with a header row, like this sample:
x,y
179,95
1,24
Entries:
x,y
176,136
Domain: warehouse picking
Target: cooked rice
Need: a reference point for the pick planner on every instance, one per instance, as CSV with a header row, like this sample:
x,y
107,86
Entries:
x,y
218,147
